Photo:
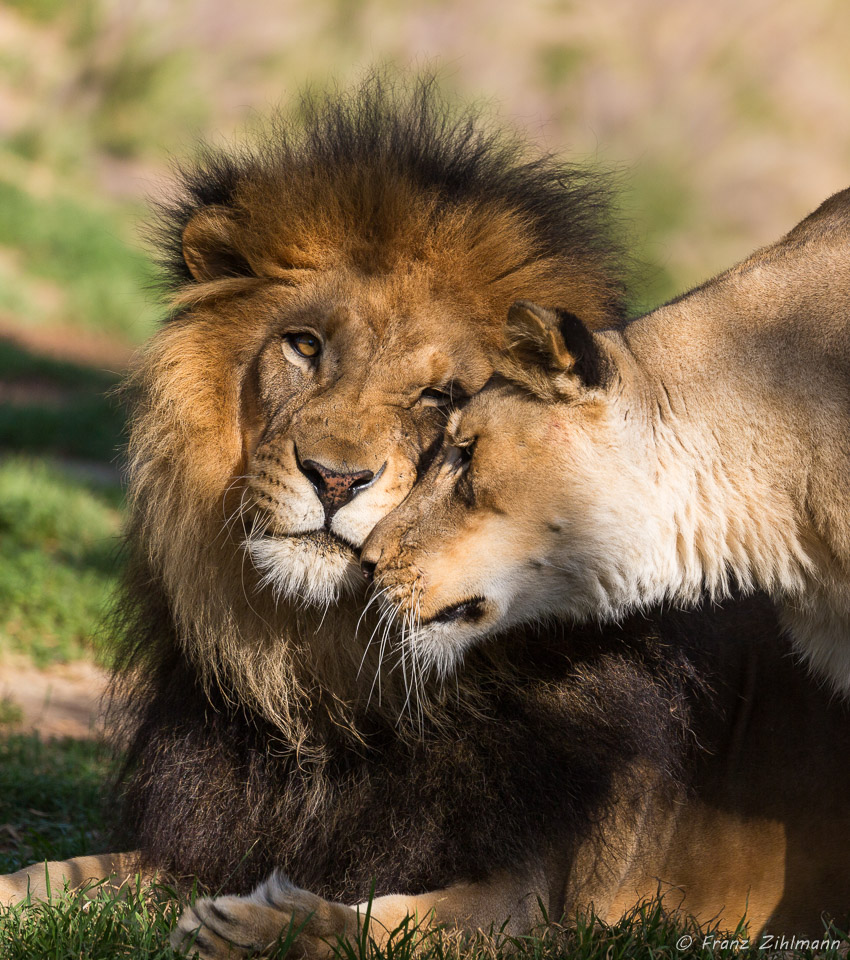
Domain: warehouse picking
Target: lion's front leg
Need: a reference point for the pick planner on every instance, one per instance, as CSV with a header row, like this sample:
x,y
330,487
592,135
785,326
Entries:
x,y
245,926
228,927
43,879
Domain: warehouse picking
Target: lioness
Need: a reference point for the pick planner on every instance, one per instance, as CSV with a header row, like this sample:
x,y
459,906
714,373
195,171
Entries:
x,y
702,445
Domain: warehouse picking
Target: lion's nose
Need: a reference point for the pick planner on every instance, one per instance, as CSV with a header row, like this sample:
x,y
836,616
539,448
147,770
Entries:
x,y
333,489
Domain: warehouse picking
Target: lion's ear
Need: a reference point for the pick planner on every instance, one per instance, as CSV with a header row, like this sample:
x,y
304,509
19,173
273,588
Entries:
x,y
209,246
555,340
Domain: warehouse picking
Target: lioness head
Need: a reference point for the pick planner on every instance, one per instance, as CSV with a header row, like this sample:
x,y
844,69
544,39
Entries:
x,y
513,521
335,292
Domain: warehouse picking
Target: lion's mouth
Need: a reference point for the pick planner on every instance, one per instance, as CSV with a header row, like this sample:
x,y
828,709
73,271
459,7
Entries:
x,y
320,539
467,611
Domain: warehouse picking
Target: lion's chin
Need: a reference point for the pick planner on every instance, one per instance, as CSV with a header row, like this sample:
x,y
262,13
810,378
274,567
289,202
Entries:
x,y
315,568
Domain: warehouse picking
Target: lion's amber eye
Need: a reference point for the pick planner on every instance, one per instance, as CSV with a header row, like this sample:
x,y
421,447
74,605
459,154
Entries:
x,y
305,344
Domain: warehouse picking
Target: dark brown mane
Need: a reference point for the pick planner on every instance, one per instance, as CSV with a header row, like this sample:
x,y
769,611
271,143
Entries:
x,y
210,790
349,153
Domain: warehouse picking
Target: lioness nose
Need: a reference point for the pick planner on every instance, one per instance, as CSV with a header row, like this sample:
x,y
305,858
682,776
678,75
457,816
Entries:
x,y
370,556
333,489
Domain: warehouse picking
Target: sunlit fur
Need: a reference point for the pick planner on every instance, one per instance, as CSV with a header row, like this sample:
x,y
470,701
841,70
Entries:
x,y
710,451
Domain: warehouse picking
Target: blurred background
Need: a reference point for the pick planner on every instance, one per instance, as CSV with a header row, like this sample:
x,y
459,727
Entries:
x,y
727,122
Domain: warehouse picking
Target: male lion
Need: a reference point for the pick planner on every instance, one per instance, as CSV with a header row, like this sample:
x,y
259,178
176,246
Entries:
x,y
334,291
702,445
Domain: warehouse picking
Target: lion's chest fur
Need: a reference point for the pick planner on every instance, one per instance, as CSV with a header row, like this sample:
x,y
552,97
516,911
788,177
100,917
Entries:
x,y
533,765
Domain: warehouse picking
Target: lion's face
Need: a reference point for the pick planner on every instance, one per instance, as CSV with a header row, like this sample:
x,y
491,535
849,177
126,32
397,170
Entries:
x,y
345,399
307,394
461,557
335,289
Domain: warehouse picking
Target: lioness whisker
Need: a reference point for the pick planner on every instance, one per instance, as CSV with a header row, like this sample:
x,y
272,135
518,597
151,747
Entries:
x,y
385,620
371,639
377,596
388,621
412,681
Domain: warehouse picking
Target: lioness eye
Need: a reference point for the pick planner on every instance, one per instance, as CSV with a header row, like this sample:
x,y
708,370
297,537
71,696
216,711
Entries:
x,y
460,456
305,344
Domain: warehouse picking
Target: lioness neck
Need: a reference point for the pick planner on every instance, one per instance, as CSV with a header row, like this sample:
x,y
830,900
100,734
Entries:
x,y
748,408
720,503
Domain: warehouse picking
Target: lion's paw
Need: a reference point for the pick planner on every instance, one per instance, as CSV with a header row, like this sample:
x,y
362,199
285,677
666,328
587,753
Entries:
x,y
225,928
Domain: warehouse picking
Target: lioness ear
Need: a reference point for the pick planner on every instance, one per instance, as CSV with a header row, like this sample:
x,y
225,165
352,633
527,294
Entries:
x,y
209,246
555,340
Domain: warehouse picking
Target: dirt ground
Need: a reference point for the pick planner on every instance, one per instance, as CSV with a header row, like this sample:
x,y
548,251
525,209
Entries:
x,y
61,701
70,344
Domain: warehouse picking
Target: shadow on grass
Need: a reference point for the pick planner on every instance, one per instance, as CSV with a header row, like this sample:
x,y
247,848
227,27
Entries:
x,y
53,407
50,798
60,503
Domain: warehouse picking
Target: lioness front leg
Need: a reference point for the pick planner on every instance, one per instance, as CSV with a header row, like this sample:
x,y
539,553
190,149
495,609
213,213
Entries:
x,y
228,927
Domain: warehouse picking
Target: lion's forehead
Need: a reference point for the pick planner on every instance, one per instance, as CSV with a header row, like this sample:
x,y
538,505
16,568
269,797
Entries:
x,y
407,322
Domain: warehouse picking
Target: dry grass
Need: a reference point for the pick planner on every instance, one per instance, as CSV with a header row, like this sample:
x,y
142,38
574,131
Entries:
x,y
727,117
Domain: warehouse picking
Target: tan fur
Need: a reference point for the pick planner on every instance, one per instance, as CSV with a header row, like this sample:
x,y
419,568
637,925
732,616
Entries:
x,y
107,871
715,451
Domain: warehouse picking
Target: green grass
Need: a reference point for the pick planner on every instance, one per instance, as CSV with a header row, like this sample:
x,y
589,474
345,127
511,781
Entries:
x,y
76,418
51,807
10,711
80,250
58,566
98,924
80,928
41,10
17,363
49,798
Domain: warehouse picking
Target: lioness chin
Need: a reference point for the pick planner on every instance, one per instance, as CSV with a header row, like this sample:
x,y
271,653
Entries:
x,y
704,445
